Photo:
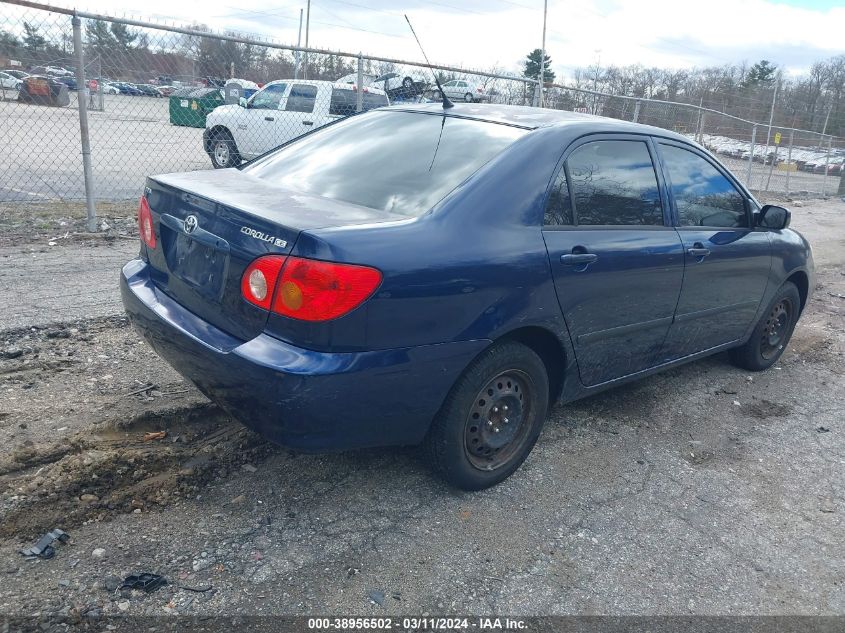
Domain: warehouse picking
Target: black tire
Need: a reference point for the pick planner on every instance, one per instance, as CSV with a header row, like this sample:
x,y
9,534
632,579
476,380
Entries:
x,y
408,83
772,333
223,151
469,98
463,444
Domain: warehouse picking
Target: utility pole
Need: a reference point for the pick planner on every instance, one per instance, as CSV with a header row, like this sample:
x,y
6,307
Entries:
x,y
826,117
307,30
298,46
543,52
596,81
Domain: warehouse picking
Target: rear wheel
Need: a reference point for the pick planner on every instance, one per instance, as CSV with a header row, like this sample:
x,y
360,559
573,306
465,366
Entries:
x,y
468,97
772,333
224,153
408,83
491,418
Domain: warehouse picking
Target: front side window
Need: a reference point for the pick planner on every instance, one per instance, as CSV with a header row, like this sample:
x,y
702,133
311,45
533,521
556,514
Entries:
x,y
269,98
302,98
367,159
703,196
614,183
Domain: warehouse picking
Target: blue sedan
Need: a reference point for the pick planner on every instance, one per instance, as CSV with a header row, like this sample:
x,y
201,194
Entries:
x,y
416,275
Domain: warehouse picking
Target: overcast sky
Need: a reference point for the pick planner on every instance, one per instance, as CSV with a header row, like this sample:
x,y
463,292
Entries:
x,y
486,33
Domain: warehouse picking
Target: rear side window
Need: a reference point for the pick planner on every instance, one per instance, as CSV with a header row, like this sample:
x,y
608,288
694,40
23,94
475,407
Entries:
x,y
269,98
302,98
345,102
703,196
559,206
614,183
402,162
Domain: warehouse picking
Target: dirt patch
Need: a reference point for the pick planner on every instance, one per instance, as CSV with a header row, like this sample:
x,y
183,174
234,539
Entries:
x,y
57,222
91,476
764,409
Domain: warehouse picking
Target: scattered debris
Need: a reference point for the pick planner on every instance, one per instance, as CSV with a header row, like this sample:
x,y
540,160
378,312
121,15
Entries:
x,y
823,429
44,547
144,581
196,589
98,553
249,468
111,583
88,498
376,596
147,387
154,435
736,403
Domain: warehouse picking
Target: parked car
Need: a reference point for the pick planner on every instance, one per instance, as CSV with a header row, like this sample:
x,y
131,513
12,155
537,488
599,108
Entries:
x,y
464,90
55,71
9,82
109,89
277,113
127,88
420,275
17,74
69,81
148,90
166,91
400,86
352,78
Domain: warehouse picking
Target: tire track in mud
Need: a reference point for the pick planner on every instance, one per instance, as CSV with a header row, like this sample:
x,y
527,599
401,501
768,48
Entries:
x,y
94,475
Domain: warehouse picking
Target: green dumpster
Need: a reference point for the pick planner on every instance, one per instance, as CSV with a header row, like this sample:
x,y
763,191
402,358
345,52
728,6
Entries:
x,y
190,106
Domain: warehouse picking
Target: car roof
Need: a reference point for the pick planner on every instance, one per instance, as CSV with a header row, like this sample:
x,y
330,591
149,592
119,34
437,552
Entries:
x,y
534,118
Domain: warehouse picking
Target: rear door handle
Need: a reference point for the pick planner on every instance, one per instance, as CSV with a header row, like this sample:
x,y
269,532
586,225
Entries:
x,y
698,250
578,259
308,123
269,118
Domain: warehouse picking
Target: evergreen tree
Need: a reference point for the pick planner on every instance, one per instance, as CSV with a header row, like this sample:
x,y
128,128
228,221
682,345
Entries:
x,y
532,67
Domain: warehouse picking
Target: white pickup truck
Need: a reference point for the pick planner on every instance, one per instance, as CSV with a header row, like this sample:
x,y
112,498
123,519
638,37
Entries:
x,y
279,112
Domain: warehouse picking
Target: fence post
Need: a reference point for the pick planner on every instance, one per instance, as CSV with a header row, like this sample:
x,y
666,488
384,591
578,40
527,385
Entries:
x,y
360,84
826,165
751,156
789,159
700,131
636,111
82,102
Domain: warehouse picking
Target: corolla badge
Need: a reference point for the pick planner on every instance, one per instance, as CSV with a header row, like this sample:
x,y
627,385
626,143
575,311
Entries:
x,y
275,241
191,224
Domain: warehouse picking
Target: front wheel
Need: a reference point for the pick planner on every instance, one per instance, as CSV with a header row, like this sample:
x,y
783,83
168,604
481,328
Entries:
x,y
408,83
772,333
468,97
224,153
491,418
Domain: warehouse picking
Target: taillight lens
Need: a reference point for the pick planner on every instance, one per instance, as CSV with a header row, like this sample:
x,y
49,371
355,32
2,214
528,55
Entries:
x,y
307,289
145,223
259,280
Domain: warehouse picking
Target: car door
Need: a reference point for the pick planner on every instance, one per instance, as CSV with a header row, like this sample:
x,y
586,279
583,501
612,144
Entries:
x,y
449,88
301,112
255,127
727,261
616,260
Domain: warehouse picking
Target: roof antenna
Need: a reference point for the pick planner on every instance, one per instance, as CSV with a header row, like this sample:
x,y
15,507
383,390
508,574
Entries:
x,y
446,102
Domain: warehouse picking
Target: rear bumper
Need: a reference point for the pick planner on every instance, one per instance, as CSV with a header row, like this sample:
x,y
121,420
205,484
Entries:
x,y
307,400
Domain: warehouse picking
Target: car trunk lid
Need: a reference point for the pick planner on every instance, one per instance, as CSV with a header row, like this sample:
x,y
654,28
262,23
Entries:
x,y
212,225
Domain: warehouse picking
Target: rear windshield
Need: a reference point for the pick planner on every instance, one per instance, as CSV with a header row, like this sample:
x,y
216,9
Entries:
x,y
345,102
402,162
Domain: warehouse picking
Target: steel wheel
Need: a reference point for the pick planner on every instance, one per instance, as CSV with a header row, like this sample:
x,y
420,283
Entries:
x,y
222,153
408,83
496,427
468,97
776,329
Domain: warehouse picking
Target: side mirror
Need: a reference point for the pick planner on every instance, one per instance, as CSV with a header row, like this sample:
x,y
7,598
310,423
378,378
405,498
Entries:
x,y
242,102
774,217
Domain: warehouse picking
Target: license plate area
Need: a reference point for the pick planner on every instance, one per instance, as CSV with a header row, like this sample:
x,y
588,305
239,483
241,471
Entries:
x,y
199,259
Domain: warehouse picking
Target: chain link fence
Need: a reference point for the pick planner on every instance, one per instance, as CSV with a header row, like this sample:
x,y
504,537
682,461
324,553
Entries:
x,y
161,99
133,98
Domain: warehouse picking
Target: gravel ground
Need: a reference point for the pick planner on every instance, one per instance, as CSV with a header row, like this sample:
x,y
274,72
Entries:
x,y
702,490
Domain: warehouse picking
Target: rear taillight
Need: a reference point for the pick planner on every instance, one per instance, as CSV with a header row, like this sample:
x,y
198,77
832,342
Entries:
x,y
259,280
478,89
145,223
307,289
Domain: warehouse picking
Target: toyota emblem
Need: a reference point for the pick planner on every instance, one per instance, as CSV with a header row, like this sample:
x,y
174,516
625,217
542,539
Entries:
x,y
191,224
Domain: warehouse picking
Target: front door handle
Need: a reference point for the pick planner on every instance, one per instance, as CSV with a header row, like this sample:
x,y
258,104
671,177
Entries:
x,y
308,123
698,250
269,118
578,259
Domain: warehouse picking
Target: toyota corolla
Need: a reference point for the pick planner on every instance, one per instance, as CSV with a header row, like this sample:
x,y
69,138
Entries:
x,y
416,275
